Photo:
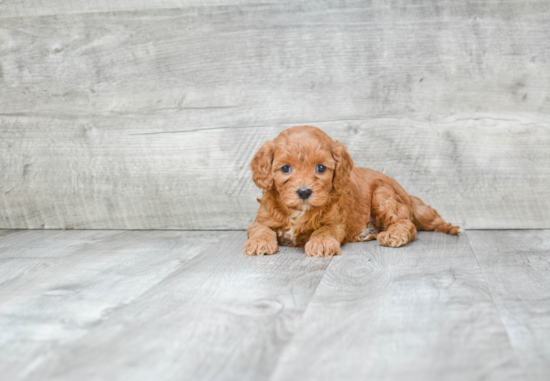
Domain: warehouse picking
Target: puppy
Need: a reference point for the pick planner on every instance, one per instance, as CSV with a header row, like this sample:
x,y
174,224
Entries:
x,y
313,196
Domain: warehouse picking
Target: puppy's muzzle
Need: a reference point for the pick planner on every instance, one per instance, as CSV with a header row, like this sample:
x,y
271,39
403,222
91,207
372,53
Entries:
x,y
304,193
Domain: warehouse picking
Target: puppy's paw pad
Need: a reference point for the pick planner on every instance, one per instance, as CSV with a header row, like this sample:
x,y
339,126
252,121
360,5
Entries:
x,y
392,239
323,247
257,246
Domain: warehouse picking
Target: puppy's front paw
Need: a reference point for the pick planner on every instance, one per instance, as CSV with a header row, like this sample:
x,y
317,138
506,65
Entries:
x,y
323,247
259,246
393,238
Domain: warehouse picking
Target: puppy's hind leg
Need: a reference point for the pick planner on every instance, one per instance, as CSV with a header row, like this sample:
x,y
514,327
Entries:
x,y
397,234
394,216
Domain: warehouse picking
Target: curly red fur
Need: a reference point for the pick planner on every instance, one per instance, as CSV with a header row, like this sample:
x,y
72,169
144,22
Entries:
x,y
347,203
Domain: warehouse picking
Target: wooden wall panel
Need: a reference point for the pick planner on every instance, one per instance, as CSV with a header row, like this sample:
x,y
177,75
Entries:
x,y
287,63
143,118
105,173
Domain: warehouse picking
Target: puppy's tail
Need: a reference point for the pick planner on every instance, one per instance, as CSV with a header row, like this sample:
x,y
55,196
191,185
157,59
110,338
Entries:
x,y
427,218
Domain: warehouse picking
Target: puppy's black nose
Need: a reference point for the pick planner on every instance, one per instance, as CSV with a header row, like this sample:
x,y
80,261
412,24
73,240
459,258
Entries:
x,y
304,193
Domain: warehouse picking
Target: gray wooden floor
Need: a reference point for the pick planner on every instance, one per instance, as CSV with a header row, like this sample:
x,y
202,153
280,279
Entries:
x,y
182,305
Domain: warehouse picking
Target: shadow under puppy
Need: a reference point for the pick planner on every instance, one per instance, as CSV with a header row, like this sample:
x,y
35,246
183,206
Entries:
x,y
314,196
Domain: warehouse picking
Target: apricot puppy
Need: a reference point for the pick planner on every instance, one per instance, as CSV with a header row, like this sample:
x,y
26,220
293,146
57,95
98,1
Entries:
x,y
313,196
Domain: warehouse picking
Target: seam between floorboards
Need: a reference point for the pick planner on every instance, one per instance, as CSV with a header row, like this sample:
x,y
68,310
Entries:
x,y
301,320
144,9
497,308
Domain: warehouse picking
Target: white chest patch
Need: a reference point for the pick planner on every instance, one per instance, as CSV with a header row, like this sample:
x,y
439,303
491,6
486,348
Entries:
x,y
289,234
296,215
294,223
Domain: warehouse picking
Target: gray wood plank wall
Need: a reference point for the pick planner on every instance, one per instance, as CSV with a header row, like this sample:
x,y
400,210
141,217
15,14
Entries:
x,y
142,115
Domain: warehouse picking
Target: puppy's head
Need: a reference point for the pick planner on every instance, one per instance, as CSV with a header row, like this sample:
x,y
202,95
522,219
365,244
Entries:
x,y
304,165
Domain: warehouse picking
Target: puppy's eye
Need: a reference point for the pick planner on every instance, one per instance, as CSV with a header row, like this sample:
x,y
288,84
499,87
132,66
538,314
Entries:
x,y
321,168
286,169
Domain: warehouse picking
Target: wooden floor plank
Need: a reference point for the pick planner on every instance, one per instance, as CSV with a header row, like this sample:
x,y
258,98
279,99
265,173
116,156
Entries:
x,y
50,300
35,8
516,265
49,244
221,315
77,305
422,312
8,232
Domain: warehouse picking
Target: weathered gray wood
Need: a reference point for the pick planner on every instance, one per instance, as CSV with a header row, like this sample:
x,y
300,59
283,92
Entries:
x,y
422,312
10,8
281,63
44,244
82,305
56,287
516,265
7,232
451,99
109,173
138,307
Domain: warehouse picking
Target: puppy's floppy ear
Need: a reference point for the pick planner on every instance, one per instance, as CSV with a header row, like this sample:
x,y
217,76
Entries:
x,y
344,165
261,166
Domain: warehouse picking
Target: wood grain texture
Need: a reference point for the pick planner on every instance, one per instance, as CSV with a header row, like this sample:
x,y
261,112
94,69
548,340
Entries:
x,y
125,173
17,244
21,8
281,63
516,265
131,305
422,312
154,305
7,232
58,286
118,115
